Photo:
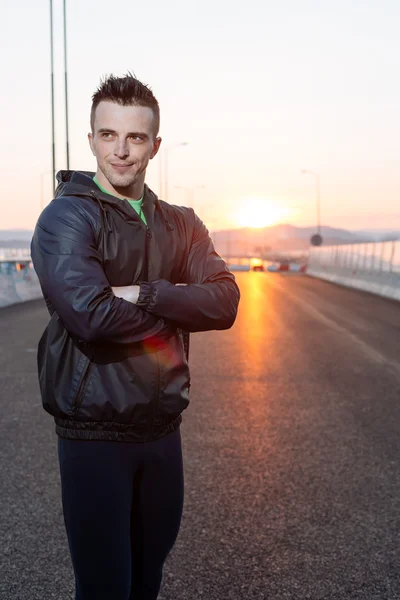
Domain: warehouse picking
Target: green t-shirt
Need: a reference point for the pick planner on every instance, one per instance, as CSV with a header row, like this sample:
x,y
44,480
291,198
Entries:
x,y
136,204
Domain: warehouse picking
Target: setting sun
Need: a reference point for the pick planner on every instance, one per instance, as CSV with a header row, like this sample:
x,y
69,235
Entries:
x,y
261,212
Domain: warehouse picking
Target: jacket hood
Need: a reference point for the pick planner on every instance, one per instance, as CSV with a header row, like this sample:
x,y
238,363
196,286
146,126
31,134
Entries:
x,y
81,184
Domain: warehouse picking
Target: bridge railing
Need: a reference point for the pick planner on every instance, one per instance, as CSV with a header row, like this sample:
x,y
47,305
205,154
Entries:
x,y
14,253
372,267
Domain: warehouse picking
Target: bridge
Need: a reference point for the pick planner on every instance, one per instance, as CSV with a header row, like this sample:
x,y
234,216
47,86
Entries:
x,y
290,443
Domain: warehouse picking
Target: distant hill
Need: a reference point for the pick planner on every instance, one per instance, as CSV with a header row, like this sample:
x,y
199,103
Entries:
x,y
381,235
288,237
15,238
17,234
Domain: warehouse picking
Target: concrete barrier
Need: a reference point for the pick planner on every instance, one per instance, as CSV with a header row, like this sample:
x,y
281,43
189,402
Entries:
x,y
372,267
18,281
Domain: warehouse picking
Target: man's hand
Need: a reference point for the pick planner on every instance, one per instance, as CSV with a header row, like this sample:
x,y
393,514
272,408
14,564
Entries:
x,y
130,292
127,292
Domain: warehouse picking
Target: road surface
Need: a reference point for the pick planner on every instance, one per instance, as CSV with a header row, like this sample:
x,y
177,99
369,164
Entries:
x,y
291,446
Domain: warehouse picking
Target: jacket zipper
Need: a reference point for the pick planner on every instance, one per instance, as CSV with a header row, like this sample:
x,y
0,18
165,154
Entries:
x,y
147,254
156,398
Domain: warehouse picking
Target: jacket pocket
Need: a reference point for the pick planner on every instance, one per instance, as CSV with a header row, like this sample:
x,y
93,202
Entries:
x,y
174,378
120,390
62,367
82,385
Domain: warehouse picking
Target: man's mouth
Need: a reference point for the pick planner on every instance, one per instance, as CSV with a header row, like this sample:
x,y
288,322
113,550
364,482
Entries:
x,y
121,166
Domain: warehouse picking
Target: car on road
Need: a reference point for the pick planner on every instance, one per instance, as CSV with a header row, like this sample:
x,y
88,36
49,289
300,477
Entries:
x,y
258,268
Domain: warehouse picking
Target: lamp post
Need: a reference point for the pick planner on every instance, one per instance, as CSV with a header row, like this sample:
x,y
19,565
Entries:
x,y
66,83
318,200
164,167
53,145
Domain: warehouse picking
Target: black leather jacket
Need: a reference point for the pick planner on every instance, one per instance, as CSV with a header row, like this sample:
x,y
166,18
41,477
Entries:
x,y
110,369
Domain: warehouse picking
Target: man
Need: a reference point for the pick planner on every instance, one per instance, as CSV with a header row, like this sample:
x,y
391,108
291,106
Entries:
x,y
112,367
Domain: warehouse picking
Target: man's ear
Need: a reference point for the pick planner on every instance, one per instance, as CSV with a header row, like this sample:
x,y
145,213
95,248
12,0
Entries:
x,y
91,143
156,147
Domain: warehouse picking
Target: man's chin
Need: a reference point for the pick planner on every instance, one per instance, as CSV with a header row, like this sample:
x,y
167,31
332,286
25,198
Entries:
x,y
121,182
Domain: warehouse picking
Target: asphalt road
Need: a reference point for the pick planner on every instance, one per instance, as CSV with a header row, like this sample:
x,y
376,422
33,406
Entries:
x,y
291,446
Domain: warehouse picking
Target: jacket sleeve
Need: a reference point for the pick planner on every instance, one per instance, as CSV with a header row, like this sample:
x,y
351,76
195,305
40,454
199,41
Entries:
x,y
211,298
70,271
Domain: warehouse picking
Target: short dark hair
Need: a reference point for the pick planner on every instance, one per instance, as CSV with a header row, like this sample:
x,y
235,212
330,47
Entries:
x,y
127,91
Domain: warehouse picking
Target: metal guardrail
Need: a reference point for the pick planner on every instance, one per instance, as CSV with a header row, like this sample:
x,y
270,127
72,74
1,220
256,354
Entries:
x,y
372,267
373,257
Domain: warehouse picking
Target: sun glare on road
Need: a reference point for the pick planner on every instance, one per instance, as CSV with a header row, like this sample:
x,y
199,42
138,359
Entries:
x,y
260,212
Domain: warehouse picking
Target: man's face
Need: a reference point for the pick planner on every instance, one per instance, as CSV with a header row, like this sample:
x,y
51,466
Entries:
x,y
123,141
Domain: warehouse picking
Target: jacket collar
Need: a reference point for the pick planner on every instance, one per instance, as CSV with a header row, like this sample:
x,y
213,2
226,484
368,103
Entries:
x,y
80,183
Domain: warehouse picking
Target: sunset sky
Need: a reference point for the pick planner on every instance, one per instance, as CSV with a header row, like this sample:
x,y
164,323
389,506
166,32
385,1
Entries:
x,y
260,90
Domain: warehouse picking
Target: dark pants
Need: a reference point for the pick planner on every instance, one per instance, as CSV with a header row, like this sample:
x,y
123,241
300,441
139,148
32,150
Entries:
x,y
122,509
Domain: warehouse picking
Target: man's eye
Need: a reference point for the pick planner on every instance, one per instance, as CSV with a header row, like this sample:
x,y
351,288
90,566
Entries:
x,y
137,138
106,135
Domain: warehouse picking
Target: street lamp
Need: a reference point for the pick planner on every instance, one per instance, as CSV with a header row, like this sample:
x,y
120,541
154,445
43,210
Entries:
x,y
318,197
53,142
165,156
66,83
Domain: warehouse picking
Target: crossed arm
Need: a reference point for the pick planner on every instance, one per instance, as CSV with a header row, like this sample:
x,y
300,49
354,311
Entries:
x,y
71,274
207,298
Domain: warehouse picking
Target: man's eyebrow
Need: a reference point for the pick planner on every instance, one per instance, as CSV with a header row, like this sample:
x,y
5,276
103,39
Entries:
x,y
137,133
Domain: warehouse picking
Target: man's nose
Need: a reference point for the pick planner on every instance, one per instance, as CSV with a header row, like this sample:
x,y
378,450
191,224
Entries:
x,y
121,149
